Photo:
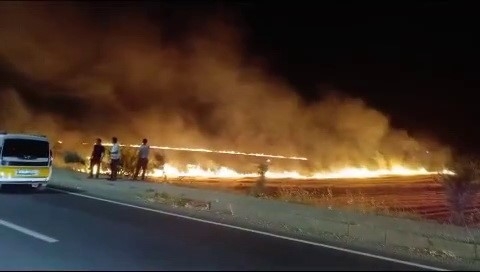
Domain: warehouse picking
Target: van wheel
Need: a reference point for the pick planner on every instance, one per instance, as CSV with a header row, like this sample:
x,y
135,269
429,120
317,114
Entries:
x,y
40,187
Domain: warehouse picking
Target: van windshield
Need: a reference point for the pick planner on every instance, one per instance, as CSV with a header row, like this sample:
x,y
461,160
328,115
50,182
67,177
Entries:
x,y
25,148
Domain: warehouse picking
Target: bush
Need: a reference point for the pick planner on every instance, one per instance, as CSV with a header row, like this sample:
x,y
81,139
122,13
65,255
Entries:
x,y
128,161
73,157
462,187
159,159
258,189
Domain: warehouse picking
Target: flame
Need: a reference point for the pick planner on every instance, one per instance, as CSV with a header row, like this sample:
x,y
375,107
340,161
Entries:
x,y
203,150
195,171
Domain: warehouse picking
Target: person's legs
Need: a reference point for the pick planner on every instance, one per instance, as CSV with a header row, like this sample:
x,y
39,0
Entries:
x,y
94,162
137,168
117,164
97,172
91,169
114,169
144,167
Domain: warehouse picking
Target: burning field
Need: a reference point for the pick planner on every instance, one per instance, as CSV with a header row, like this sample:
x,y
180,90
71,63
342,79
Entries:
x,y
405,196
226,167
413,193
72,75
395,191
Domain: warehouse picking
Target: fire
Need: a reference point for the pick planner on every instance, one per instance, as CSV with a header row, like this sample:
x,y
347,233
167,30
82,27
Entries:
x,y
217,151
195,171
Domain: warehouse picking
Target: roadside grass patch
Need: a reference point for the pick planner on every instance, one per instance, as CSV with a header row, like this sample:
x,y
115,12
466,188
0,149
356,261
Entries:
x,y
174,201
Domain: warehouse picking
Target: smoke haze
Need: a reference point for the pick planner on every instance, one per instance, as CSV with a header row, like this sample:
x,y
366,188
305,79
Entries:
x,y
66,75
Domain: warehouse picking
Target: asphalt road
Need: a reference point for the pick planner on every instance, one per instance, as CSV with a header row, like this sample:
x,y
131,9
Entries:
x,y
53,230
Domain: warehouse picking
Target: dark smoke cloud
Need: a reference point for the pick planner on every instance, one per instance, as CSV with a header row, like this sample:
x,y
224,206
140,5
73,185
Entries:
x,y
73,76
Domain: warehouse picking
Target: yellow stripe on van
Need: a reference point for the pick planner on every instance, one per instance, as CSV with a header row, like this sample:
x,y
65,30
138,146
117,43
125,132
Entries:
x,y
24,171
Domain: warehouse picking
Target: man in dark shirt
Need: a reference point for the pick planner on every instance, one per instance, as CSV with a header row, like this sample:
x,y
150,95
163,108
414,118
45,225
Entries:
x,y
96,158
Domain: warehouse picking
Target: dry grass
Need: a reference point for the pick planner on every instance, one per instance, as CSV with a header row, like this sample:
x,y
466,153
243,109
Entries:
x,y
174,201
462,188
356,201
165,198
385,197
411,197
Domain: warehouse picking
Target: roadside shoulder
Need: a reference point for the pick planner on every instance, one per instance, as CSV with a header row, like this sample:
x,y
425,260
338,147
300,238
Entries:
x,y
337,228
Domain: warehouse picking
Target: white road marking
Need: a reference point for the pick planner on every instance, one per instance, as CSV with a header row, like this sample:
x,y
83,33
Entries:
x,y
26,231
351,251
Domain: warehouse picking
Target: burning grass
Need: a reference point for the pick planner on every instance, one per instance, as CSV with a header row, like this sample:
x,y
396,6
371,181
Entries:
x,y
452,200
160,167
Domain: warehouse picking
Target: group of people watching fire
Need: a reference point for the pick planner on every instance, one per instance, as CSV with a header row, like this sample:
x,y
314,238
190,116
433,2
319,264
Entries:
x,y
99,151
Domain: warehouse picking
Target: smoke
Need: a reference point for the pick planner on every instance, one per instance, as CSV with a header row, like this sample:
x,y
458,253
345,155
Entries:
x,y
76,76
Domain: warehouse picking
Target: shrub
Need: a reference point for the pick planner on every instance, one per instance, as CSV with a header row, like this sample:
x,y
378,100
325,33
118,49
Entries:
x,y
73,157
462,187
158,162
159,159
259,188
128,161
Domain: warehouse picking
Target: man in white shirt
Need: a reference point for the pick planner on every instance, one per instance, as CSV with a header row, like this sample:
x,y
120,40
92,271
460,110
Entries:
x,y
114,158
142,162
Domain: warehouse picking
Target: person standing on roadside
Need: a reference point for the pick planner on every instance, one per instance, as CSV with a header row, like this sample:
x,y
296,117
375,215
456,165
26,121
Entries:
x,y
142,162
96,159
114,158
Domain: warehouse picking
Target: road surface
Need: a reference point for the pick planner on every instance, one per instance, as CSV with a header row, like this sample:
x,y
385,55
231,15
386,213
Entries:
x,y
53,230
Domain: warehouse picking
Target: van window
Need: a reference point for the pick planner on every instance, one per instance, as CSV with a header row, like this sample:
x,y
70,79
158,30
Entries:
x,y
25,148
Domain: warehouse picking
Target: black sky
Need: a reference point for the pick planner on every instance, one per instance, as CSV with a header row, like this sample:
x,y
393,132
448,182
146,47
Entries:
x,y
416,61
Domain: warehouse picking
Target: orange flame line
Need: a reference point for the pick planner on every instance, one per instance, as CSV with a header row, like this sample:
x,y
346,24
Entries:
x,y
216,151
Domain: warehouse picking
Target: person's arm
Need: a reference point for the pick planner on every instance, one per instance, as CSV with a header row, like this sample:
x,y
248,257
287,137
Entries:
x,y
102,154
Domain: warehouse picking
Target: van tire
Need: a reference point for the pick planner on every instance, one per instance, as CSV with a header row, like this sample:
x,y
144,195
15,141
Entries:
x,y
41,187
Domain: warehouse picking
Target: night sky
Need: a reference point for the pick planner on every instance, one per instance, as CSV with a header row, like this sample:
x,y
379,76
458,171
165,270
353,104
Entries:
x,y
416,62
